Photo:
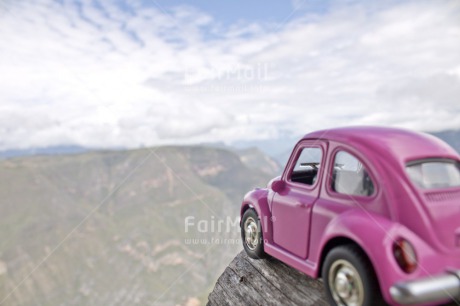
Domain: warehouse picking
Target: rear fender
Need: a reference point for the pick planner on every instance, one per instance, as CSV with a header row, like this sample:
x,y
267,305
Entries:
x,y
374,234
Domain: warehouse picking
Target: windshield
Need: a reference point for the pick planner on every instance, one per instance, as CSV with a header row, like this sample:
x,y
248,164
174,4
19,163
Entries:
x,y
433,174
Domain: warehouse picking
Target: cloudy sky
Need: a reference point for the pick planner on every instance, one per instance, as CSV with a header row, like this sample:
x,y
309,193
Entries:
x,y
142,73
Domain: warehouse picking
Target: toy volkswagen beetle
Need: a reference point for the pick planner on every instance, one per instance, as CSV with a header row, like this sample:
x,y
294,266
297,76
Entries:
x,y
373,211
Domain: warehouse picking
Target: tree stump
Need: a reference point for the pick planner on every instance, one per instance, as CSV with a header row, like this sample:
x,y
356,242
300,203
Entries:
x,y
247,281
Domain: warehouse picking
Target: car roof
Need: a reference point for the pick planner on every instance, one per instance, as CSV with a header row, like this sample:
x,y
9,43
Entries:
x,y
404,145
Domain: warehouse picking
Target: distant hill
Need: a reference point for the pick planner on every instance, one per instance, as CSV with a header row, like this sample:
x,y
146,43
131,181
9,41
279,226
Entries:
x,y
53,150
279,149
255,159
452,137
133,248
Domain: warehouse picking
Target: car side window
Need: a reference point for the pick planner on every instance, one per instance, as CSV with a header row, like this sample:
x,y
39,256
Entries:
x,y
307,166
350,176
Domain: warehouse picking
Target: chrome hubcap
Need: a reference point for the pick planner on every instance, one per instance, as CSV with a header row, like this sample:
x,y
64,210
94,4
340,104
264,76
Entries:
x,y
251,233
346,284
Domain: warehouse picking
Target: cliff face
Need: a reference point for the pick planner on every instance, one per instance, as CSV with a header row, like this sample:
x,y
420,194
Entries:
x,y
66,242
265,282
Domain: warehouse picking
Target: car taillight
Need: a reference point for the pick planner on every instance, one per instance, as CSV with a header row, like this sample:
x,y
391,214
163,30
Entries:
x,y
405,256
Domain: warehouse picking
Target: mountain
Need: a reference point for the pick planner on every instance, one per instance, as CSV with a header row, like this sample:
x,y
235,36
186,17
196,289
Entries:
x,y
278,148
137,227
255,159
52,150
452,137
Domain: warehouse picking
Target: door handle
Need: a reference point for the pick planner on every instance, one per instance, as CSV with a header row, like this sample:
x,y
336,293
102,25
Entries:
x,y
301,205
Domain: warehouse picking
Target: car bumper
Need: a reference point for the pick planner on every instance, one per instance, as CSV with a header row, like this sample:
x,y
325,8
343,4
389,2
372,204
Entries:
x,y
430,289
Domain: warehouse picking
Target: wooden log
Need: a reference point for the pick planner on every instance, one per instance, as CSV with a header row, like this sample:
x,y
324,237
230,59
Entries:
x,y
247,281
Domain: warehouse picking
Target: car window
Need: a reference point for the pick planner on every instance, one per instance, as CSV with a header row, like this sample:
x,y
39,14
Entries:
x,y
307,166
434,174
349,176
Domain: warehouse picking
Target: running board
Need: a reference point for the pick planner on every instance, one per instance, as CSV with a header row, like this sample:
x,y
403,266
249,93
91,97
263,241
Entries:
x,y
304,266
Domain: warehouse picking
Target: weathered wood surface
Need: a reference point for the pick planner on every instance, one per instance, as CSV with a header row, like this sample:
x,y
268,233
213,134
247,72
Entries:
x,y
249,282
265,282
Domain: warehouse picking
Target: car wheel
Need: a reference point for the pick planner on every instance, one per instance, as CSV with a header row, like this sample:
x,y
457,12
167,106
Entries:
x,y
349,278
251,234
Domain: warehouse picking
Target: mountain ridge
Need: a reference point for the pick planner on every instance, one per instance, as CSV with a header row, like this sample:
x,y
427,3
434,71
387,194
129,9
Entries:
x,y
131,245
277,149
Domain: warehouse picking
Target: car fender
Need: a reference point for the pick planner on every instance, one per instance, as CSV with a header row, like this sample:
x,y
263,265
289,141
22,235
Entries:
x,y
258,199
375,235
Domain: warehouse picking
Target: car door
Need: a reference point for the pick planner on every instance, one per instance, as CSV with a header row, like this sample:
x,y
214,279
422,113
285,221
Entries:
x,y
292,205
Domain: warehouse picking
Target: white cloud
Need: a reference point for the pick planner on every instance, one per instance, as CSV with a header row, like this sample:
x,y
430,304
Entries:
x,y
104,76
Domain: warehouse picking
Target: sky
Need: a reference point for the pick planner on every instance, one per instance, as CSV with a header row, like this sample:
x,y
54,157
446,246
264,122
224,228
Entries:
x,y
143,73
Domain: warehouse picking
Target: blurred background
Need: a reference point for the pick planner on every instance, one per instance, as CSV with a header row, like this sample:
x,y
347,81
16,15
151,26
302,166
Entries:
x,y
130,129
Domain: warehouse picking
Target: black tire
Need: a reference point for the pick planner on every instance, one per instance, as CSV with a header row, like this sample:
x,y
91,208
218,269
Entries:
x,y
345,265
254,247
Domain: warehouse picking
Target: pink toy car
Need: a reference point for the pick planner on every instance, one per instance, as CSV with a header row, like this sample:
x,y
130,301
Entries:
x,y
373,211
